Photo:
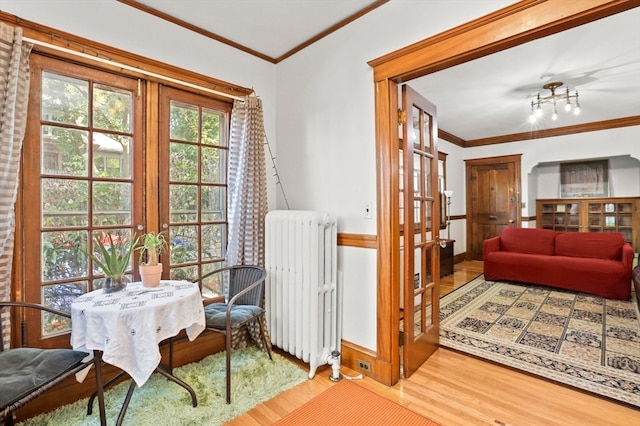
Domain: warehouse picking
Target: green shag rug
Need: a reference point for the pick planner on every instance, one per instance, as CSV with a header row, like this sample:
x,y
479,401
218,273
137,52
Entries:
x,y
254,379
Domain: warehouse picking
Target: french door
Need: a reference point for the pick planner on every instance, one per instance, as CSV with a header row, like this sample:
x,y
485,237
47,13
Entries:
x,y
419,201
107,155
193,194
81,178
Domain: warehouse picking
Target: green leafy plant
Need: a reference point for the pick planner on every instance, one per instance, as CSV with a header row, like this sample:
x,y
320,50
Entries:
x,y
152,245
114,256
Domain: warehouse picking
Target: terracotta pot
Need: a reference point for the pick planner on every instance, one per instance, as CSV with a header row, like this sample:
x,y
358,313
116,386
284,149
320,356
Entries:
x,y
151,275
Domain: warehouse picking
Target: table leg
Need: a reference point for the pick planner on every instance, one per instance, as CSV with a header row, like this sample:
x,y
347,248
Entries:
x,y
168,375
97,363
166,371
106,386
125,404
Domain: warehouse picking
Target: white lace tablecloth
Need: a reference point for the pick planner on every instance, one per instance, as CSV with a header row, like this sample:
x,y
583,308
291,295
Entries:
x,y
128,325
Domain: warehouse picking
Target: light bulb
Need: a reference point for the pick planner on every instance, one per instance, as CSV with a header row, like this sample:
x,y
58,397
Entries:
x,y
554,117
567,107
576,110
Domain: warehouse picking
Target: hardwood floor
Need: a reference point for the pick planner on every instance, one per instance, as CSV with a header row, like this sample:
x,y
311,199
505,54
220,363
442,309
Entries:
x,y
455,389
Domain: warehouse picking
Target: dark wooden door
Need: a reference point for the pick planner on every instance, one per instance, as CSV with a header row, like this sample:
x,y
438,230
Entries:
x,y
493,200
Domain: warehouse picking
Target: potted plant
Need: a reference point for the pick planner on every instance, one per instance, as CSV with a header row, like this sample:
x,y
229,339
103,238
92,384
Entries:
x,y
151,246
113,258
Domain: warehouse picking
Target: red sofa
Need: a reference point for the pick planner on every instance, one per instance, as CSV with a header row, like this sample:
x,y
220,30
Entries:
x,y
589,262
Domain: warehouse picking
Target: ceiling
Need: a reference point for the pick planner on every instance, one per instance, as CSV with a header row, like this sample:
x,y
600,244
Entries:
x,y
478,102
270,29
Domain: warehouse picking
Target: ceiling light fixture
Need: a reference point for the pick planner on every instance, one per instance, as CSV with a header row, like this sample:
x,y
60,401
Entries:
x,y
554,99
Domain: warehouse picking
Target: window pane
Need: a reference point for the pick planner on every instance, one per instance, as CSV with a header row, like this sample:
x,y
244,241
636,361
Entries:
x,y
64,203
414,130
183,200
417,175
425,129
184,122
64,151
64,99
213,286
417,211
59,296
183,162
187,273
214,162
111,203
214,204
62,255
427,176
211,129
214,241
118,236
112,109
184,244
112,156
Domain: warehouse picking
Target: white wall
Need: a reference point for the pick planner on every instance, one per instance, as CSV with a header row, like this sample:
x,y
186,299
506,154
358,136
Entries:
x,y
326,131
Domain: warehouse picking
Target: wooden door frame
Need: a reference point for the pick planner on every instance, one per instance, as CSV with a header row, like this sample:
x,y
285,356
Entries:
x,y
517,187
508,27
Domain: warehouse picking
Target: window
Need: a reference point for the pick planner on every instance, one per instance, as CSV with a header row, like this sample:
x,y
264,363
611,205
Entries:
x,y
101,160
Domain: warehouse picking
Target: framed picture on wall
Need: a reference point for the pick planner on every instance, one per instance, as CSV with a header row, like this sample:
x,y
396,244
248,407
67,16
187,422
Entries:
x,y
584,179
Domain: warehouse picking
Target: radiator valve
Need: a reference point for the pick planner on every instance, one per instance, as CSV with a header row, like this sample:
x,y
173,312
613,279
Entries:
x,y
334,361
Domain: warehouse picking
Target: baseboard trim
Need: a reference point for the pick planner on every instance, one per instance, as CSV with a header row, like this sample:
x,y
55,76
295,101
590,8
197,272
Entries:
x,y
352,355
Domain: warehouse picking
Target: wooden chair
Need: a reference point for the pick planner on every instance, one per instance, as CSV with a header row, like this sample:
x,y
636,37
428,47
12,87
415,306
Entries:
x,y
26,373
244,304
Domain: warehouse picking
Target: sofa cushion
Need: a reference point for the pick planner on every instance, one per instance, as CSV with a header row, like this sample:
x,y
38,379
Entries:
x,y
528,240
597,245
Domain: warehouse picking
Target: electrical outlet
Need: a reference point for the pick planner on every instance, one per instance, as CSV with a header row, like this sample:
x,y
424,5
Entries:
x,y
364,365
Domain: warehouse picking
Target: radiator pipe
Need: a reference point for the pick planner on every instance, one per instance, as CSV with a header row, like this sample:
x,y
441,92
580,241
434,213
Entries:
x,y
333,360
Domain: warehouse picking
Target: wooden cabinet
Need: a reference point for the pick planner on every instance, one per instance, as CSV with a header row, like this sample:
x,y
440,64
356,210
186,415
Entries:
x,y
592,215
446,259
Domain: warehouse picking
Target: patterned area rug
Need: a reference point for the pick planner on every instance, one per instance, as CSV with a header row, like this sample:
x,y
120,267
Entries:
x,y
577,339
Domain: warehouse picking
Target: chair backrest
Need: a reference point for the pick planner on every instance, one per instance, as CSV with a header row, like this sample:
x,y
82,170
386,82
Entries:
x,y
241,277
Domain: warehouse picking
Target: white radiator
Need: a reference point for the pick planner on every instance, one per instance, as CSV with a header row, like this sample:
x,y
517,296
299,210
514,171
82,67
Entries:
x,y
302,293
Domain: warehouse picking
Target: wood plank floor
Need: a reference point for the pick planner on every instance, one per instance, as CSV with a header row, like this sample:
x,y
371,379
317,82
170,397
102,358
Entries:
x,y
455,389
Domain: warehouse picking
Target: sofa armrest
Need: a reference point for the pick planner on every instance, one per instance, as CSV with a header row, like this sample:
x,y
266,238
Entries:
x,y
489,245
627,257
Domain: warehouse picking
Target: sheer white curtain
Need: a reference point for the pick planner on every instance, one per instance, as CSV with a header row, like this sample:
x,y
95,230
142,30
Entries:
x,y
14,95
247,205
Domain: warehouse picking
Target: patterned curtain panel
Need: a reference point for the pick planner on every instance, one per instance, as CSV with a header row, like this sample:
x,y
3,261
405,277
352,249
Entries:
x,y
14,95
247,205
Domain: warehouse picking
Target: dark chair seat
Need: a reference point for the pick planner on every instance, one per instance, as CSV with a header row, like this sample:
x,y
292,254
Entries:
x,y
28,372
24,370
216,315
245,304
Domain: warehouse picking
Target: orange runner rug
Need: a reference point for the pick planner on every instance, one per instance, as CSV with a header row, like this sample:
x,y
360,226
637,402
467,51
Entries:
x,y
347,403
